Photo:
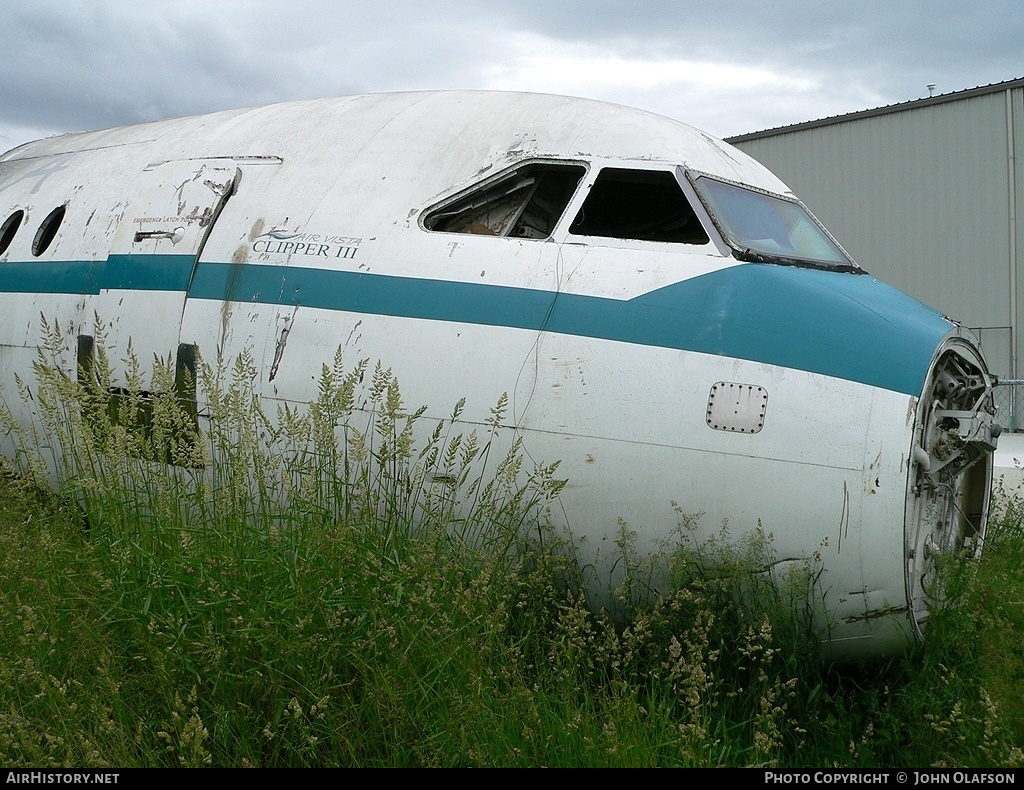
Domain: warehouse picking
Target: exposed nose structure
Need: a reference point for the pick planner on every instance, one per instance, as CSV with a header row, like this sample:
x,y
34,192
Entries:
x,y
950,474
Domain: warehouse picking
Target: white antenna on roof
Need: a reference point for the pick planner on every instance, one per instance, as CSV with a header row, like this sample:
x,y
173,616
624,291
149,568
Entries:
x,y
931,89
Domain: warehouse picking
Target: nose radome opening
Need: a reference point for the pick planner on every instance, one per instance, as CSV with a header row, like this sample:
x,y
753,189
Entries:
x,y
950,471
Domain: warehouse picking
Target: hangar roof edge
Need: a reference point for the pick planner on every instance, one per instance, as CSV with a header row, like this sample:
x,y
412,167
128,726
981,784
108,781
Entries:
x,y
995,87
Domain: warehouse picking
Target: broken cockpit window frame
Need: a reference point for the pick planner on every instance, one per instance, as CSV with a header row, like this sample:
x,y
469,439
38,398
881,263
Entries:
x,y
765,227
526,202
645,205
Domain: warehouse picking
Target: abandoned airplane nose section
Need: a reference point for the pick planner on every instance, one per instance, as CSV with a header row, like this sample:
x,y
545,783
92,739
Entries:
x,y
664,317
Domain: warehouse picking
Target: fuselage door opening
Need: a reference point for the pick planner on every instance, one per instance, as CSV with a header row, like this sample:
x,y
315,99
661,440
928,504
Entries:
x,y
153,254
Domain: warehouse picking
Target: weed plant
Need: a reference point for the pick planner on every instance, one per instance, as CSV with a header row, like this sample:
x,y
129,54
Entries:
x,y
352,583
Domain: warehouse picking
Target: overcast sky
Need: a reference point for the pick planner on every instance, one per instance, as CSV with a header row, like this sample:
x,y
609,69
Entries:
x,y
726,66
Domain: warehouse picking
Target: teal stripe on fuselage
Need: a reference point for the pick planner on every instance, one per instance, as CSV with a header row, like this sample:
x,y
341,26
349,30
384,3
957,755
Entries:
x,y
844,325
117,272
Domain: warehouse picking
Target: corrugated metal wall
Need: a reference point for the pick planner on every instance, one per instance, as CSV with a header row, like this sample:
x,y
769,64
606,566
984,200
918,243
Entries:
x,y
924,196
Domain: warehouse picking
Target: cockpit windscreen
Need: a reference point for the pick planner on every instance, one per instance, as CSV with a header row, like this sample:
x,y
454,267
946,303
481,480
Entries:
x,y
763,226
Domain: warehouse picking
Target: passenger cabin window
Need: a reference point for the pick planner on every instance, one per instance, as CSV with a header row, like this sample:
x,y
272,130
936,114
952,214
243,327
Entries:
x,y
9,229
638,204
48,230
526,203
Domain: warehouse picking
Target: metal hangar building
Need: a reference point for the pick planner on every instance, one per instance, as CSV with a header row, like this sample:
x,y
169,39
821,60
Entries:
x,y
924,195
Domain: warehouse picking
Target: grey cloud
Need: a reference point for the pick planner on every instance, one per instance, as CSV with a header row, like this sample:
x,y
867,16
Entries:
x,y
896,47
87,67
83,64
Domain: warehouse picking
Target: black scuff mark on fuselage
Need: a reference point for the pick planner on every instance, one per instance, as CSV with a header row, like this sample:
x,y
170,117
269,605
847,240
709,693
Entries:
x,y
844,518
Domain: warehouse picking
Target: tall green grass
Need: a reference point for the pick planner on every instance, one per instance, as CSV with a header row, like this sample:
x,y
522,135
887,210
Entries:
x,y
349,583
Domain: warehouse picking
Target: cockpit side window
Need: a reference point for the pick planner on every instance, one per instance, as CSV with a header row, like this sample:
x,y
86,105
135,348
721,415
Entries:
x,y
526,203
638,204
